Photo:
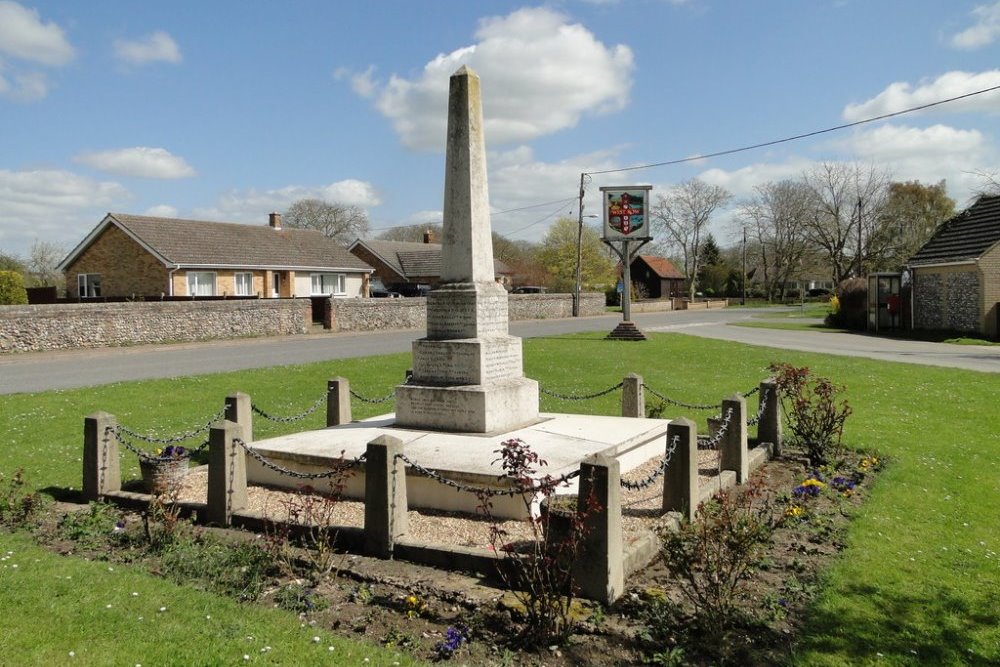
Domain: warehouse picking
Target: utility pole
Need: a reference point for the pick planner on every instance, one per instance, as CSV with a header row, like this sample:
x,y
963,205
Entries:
x,y
743,283
579,251
860,275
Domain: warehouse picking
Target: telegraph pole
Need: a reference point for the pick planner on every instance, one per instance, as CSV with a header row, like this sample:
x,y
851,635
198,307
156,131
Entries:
x,y
579,251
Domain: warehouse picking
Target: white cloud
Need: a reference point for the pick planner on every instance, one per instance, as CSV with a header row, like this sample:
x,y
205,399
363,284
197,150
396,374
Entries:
x,y
901,95
741,182
985,30
140,161
52,204
539,72
26,87
362,83
161,211
24,36
252,205
156,47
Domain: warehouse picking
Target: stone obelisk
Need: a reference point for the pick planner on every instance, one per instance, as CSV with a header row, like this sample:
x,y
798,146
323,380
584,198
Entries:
x,y
467,372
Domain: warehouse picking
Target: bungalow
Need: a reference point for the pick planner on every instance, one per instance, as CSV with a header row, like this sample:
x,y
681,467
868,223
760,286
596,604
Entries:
x,y
140,256
401,264
955,276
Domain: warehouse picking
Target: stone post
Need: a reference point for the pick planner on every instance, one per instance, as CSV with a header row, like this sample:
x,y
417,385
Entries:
x,y
240,412
338,401
385,496
769,426
633,396
101,465
680,480
227,473
733,447
599,570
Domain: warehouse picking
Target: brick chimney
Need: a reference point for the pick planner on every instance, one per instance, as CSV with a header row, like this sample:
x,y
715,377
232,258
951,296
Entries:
x,y
428,236
274,220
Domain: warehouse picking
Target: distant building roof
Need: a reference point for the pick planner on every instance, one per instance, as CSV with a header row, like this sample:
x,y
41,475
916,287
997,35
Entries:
x,y
661,266
201,243
966,236
412,259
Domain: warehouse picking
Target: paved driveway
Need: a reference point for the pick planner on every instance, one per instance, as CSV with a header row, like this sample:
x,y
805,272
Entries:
x,y
38,371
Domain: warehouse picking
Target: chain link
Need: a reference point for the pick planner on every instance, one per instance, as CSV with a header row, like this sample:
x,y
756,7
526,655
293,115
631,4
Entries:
x,y
172,439
332,472
572,397
485,491
144,455
650,479
666,399
365,399
751,392
753,421
294,418
713,442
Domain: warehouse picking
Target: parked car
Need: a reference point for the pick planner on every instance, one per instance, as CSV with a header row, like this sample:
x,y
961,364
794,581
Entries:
x,y
818,291
384,294
528,289
412,289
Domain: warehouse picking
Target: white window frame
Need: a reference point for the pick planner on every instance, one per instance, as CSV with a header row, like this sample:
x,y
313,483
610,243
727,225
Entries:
x,y
332,284
88,285
194,279
248,288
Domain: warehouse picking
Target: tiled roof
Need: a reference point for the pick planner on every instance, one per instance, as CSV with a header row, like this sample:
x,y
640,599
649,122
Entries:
x,y
203,243
415,260
662,266
964,237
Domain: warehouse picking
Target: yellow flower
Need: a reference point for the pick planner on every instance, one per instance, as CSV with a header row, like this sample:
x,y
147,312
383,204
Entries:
x,y
794,511
814,482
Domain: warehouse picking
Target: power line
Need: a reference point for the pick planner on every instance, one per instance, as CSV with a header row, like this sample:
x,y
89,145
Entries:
x,y
797,136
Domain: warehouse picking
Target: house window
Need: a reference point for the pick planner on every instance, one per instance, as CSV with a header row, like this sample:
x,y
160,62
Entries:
x,y
201,283
244,283
329,283
88,285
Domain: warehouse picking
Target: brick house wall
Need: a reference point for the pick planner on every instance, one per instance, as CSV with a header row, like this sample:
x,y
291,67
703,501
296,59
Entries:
x,y
382,271
126,268
989,267
225,282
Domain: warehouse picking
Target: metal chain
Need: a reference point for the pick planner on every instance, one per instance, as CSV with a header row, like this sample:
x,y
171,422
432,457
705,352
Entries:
x,y
488,492
332,472
572,397
660,470
105,440
286,420
365,399
753,421
751,392
666,399
713,442
172,439
142,453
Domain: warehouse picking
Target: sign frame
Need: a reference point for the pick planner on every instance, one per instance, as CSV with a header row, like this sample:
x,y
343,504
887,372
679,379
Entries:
x,y
630,223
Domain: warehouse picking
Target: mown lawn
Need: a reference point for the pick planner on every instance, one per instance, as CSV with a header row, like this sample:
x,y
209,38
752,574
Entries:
x,y
919,582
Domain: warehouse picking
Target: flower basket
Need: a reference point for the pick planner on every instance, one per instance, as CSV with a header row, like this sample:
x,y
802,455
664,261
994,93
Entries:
x,y
160,475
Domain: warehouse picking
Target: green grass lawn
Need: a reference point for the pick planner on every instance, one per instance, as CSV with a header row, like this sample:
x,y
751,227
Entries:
x,y
918,583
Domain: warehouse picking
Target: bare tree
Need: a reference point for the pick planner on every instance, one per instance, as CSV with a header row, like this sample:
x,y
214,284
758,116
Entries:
x,y
849,198
41,265
412,233
989,182
776,217
337,221
684,213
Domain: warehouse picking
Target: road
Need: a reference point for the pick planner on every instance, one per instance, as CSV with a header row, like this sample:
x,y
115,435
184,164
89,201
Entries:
x,y
39,371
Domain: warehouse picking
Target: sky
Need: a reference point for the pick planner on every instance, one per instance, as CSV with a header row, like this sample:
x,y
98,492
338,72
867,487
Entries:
x,y
229,110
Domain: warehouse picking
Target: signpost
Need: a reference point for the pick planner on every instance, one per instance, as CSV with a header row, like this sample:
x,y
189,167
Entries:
x,y
626,230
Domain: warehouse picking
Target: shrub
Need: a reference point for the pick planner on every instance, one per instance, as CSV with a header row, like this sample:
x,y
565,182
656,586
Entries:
x,y
712,558
17,506
12,290
538,573
814,416
852,305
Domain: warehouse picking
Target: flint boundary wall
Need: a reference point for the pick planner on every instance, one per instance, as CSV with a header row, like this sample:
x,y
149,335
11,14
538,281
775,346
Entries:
x,y
411,313
89,325
46,327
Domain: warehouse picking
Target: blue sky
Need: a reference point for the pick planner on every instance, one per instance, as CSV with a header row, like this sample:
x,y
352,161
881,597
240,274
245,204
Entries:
x,y
228,110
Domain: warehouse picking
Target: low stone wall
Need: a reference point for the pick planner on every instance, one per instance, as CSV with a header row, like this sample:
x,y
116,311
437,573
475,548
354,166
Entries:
x,y
87,325
652,306
411,312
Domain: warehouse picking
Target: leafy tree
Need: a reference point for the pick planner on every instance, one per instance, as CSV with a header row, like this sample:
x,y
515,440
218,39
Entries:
x,y
12,289
558,255
9,262
911,215
337,221
684,213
